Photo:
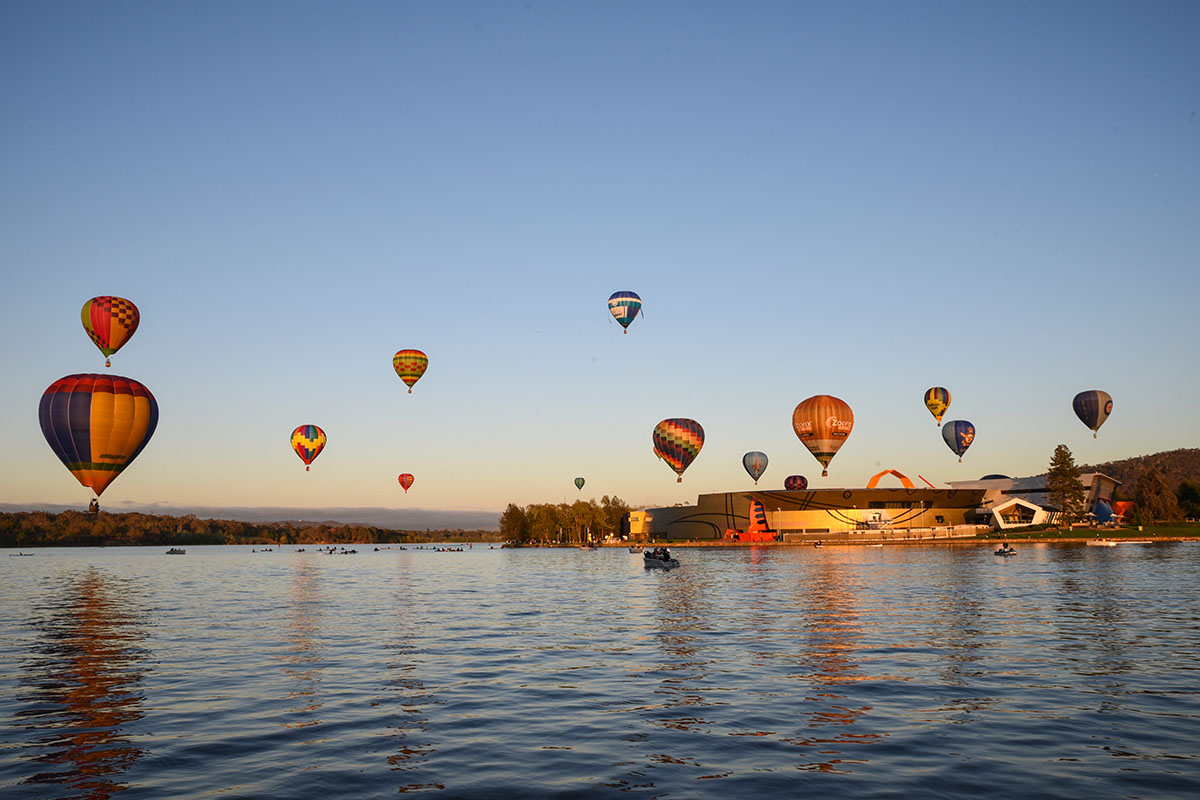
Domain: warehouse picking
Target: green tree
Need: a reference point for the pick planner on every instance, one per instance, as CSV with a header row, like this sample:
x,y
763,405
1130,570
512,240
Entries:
x,y
1189,499
1063,485
1153,500
514,524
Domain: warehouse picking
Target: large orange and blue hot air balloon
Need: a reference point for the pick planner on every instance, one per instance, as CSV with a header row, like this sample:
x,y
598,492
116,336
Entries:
x,y
624,306
677,441
958,434
1092,407
795,483
110,322
97,425
823,423
406,480
410,365
308,441
755,463
937,400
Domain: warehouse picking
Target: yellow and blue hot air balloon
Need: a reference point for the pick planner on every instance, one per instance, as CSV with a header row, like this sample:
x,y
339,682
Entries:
x,y
755,463
677,441
410,365
958,435
937,400
110,322
1092,407
624,306
308,441
97,425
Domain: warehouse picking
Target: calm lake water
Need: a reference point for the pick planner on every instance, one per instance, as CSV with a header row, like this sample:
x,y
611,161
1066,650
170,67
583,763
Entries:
x,y
944,671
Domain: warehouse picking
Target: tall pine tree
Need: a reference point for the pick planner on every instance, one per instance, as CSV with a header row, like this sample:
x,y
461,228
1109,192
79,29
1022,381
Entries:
x,y
1062,483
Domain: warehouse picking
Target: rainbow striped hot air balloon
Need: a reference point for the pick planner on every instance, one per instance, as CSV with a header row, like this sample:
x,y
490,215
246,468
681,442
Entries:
x,y
624,306
755,463
308,441
97,425
410,365
937,400
823,423
406,480
110,322
1092,407
677,441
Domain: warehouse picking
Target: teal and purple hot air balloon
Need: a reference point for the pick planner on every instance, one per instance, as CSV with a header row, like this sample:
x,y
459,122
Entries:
x,y
677,441
795,483
958,434
624,306
755,463
1092,407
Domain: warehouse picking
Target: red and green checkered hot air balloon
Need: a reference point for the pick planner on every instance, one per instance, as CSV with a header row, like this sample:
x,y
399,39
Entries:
x,y
410,365
677,441
110,322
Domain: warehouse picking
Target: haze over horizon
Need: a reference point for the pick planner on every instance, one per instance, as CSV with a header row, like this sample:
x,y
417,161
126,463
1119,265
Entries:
x,y
863,201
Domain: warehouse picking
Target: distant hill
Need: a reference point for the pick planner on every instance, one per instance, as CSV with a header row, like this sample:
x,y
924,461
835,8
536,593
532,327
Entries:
x,y
1175,465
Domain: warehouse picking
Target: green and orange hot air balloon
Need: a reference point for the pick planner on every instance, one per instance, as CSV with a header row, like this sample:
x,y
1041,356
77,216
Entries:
x,y
110,322
410,365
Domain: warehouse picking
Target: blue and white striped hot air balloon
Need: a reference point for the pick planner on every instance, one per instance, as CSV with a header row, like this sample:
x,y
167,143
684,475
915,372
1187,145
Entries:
x,y
624,306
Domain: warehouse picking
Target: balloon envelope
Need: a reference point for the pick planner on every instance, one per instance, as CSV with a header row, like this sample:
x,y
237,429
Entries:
x,y
937,400
823,423
755,463
308,441
795,483
579,483
410,365
110,322
624,306
1092,407
958,435
677,441
406,480
97,425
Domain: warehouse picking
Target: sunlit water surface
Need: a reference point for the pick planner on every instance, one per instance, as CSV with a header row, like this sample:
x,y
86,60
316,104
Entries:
x,y
1067,671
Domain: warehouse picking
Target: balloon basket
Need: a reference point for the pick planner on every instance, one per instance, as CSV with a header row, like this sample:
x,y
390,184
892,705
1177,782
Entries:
x,y
410,391
306,469
107,363
824,474
679,479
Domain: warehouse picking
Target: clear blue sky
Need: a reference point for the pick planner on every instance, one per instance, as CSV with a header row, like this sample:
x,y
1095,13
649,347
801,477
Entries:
x,y
857,199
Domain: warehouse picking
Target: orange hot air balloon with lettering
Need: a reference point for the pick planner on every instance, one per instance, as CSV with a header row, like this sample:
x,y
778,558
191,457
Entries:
x,y
823,423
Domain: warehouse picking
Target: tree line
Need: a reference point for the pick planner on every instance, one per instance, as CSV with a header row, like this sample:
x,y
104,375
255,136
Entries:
x,y
80,529
565,523
1154,502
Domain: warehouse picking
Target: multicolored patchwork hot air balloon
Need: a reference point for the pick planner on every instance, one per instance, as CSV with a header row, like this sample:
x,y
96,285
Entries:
x,y
678,441
110,322
1092,407
755,463
410,365
958,434
624,306
97,425
406,480
937,400
308,441
823,423
579,483
795,483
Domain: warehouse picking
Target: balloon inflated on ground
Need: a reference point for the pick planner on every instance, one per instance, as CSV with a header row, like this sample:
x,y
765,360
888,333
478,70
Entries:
x,y
1092,407
308,441
410,365
795,483
97,425
110,322
677,441
823,423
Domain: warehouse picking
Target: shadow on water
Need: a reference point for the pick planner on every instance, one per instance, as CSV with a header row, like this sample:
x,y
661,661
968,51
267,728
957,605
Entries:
x,y
83,676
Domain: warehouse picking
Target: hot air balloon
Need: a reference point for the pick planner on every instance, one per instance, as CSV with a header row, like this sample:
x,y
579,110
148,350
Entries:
x,y
823,423
795,483
110,322
677,441
406,480
1092,407
755,463
410,365
97,425
958,434
937,400
579,483
624,306
308,441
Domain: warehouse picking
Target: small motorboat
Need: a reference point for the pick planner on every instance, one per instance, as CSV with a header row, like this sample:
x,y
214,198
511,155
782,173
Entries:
x,y
1007,550
635,548
177,551
1101,543
660,558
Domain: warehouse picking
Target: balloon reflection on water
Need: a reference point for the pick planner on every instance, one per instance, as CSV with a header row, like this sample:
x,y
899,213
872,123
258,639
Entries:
x,y
84,674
